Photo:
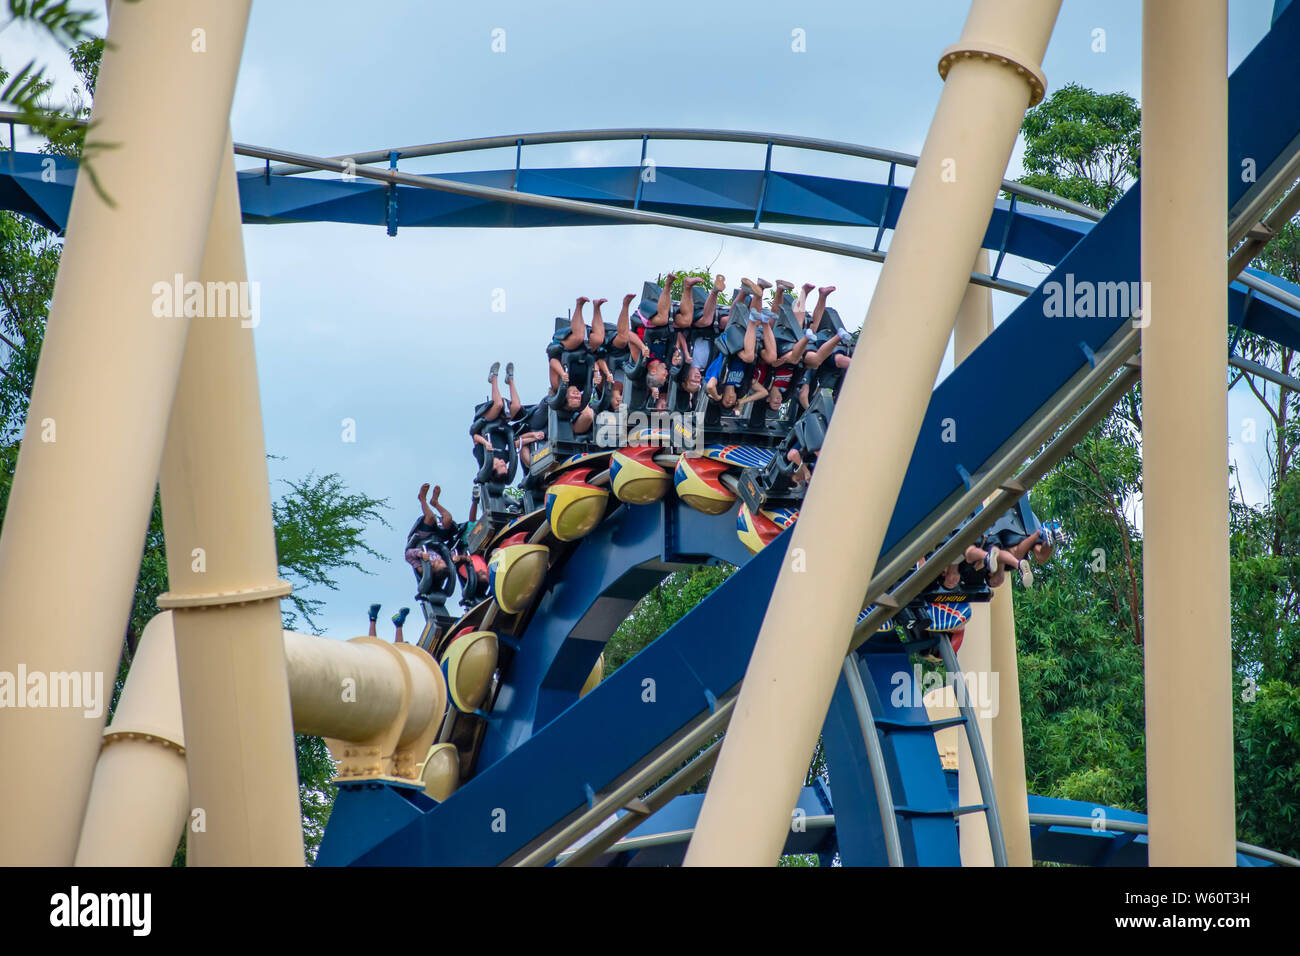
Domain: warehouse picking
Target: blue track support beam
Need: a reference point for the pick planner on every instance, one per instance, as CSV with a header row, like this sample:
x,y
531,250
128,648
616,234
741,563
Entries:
x,y
857,811
390,211
916,776
640,174
762,192
365,814
1006,233
883,216
723,195
38,187
587,598
1261,108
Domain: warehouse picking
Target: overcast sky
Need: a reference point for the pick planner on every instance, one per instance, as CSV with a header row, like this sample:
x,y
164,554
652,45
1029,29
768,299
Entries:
x,y
397,333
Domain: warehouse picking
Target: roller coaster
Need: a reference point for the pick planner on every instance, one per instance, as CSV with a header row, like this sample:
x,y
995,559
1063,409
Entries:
x,y
593,769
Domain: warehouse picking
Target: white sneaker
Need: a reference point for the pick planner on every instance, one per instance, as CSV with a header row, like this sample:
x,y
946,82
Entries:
x,y
1026,573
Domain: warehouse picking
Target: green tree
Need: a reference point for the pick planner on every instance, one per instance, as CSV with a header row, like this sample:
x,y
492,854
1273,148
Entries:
x,y
1083,145
668,602
1265,554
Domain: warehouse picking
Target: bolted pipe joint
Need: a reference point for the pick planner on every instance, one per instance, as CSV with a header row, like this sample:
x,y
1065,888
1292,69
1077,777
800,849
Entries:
x,y
1033,75
379,706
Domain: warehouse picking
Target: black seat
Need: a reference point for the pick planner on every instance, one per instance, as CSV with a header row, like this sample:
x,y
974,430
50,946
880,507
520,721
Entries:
x,y
473,585
833,317
733,339
563,441
775,480
699,295
648,307
498,507
786,329
431,591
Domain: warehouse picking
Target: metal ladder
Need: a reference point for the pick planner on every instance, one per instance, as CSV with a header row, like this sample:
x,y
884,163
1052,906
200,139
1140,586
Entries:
x,y
873,727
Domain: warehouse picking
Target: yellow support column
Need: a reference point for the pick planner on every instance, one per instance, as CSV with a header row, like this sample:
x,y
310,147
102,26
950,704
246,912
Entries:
x,y
1008,734
993,76
137,806
225,586
973,325
102,395
1184,434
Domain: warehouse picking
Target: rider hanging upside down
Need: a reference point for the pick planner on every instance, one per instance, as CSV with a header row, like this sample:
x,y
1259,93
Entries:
x,y
1012,538
727,377
434,518
655,375
484,451
435,522
819,312
534,430
572,354
825,367
699,337
617,349
571,364
646,365
490,415
1007,545
777,372
492,409
573,403
437,527
689,390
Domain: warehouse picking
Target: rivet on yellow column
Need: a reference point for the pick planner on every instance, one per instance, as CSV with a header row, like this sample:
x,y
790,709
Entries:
x,y
1184,435
224,580
836,543
102,396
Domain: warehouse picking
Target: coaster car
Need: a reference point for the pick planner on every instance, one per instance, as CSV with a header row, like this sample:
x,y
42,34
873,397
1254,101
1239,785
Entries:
x,y
468,664
574,507
515,572
634,476
699,484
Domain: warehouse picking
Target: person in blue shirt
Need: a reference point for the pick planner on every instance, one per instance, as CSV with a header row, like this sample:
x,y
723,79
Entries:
x,y
727,377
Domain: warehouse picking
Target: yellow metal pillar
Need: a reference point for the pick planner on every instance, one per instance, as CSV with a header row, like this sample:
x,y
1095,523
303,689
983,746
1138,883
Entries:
x,y
137,806
225,586
102,395
1008,734
973,325
1184,436
992,75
